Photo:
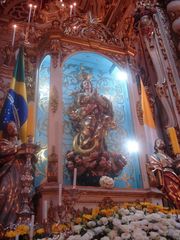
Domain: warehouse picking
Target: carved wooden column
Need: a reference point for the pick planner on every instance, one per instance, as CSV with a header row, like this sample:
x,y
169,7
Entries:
x,y
55,129
173,8
27,155
153,30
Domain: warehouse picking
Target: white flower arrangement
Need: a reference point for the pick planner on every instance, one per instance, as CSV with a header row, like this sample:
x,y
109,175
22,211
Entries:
x,y
106,182
131,224
143,221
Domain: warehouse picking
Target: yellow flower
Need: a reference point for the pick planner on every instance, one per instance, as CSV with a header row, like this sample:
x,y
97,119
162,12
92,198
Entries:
x,y
22,229
107,212
10,234
40,231
125,205
115,208
78,220
145,204
57,228
87,217
95,212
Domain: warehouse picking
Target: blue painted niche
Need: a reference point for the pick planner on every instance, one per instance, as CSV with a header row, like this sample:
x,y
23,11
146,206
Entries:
x,y
107,79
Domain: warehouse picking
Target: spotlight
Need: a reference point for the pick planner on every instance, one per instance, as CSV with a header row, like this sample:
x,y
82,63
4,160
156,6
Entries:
x,y
132,146
122,75
118,73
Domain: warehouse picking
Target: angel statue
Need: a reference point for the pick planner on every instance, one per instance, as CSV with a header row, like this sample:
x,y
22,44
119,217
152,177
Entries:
x,y
92,116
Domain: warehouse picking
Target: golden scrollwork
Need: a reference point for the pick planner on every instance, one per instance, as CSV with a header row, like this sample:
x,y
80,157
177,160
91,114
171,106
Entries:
x,y
54,100
77,145
139,112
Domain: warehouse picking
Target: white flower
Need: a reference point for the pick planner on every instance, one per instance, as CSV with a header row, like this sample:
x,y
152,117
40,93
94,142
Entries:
x,y
125,219
77,228
105,238
107,230
125,236
154,235
138,216
106,182
138,234
110,219
87,236
123,211
112,234
99,230
61,237
99,223
165,221
75,237
177,225
134,224
144,222
103,221
163,215
154,217
175,234
91,224
117,223
125,228
170,232
163,232
133,209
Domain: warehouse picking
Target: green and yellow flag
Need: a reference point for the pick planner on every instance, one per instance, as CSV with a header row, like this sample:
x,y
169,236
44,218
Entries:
x,y
15,106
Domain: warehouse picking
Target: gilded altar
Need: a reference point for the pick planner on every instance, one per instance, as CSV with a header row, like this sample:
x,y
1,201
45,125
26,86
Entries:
x,y
83,74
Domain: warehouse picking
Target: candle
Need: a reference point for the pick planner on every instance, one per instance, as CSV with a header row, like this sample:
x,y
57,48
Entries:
x,y
31,119
174,141
14,34
31,233
71,8
34,10
74,4
45,209
30,10
74,178
17,237
60,194
41,4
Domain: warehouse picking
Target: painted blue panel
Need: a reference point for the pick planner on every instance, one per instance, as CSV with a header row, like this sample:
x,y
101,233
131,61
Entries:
x,y
105,78
42,119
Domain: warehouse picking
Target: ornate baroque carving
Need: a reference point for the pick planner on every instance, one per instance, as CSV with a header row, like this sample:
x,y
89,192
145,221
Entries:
x,y
52,173
160,41
55,49
161,89
54,99
89,29
139,112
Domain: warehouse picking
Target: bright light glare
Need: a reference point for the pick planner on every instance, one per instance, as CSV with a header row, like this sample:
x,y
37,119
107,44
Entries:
x,y
121,75
132,146
44,91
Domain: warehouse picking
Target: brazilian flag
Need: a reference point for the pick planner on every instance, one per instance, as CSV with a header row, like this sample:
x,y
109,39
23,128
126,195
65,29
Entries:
x,y
15,106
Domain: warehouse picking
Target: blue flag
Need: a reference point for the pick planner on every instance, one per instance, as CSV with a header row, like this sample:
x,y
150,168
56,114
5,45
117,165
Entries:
x,y
15,106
